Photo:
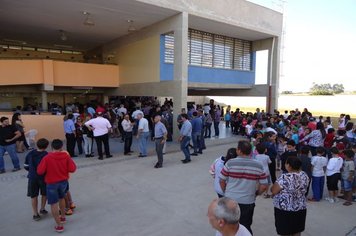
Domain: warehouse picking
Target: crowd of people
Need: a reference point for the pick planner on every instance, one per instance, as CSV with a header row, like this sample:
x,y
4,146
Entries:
x,y
281,156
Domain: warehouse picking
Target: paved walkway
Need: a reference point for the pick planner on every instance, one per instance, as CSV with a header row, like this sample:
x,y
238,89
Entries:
x,y
126,196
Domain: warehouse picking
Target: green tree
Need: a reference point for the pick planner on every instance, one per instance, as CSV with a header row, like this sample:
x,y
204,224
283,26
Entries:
x,y
338,88
321,89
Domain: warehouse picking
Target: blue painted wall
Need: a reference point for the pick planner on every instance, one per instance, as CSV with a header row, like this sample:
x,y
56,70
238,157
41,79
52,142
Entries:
x,y
207,74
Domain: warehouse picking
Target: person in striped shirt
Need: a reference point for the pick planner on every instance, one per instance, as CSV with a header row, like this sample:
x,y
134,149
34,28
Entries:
x,y
242,179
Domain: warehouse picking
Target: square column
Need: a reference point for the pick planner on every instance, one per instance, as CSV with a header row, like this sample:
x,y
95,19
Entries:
x,y
273,75
180,69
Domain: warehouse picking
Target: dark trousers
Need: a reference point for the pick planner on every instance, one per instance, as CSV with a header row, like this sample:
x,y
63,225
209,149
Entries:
x,y
80,144
272,169
312,150
128,142
159,150
100,140
247,215
70,138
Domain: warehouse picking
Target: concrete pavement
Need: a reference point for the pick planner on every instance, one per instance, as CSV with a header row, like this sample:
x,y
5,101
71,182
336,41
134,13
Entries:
x,y
126,196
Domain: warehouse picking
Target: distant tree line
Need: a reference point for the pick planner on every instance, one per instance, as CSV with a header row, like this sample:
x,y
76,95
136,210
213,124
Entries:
x,y
326,89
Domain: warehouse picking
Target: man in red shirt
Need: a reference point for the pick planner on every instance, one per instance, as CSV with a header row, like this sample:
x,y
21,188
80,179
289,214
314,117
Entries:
x,y
56,167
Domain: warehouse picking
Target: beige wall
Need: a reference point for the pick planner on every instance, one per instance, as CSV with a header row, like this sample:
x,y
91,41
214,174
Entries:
x,y
81,74
15,72
139,61
57,73
48,126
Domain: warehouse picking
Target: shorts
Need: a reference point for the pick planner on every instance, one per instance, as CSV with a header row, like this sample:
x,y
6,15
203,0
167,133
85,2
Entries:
x,y
56,191
332,181
35,187
347,185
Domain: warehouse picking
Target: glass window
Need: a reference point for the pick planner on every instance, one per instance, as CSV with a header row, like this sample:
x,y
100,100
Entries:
x,y
211,50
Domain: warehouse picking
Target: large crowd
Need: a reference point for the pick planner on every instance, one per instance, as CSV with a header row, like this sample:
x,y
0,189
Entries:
x,y
281,154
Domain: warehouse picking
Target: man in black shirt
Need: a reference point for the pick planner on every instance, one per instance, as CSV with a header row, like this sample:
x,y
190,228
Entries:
x,y
8,136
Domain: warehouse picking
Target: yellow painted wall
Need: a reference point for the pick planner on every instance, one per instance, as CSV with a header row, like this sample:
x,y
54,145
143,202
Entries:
x,y
15,72
58,73
139,61
81,74
48,126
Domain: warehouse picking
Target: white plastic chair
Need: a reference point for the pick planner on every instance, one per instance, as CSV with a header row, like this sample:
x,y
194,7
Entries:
x,y
31,136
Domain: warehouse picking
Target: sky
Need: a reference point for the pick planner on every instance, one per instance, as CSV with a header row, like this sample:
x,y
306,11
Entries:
x,y
319,44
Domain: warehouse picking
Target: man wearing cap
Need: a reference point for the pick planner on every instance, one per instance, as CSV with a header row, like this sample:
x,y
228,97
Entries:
x,y
8,136
101,128
160,139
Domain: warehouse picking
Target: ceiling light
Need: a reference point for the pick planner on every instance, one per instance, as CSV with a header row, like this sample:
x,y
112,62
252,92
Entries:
x,y
63,35
15,41
131,26
88,20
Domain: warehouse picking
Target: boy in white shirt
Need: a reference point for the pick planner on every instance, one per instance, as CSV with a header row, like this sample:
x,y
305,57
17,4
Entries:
x,y
333,174
319,163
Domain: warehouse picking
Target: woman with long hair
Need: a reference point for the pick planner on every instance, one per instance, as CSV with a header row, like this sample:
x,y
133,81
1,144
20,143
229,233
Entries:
x,y
21,142
316,138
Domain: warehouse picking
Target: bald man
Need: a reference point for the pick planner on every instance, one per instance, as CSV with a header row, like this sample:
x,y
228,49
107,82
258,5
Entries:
x,y
224,216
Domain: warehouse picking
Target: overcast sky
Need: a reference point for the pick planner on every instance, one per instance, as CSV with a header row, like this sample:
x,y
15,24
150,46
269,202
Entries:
x,y
320,43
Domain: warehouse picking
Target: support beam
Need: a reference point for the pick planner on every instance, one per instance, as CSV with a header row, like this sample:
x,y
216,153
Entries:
x,y
180,69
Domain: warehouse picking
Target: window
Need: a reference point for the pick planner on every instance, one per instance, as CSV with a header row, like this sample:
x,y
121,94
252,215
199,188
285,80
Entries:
x,y
169,48
211,50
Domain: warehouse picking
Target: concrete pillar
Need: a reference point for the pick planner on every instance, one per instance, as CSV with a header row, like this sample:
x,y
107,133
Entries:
x,y
44,101
273,75
180,71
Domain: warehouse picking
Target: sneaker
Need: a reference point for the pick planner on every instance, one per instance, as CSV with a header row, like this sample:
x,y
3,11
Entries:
x,y
62,220
59,229
327,199
331,200
36,217
72,206
44,212
2,171
16,169
68,212
336,199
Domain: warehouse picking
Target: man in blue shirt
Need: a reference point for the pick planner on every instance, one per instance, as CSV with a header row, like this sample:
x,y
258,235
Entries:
x,y
184,138
69,130
160,139
197,126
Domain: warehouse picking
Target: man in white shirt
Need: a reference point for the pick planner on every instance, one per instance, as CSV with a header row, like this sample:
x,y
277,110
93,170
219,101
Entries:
x,y
101,128
122,110
143,134
224,216
127,126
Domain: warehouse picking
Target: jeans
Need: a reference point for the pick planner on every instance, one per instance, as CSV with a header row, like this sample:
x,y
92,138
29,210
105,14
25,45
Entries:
x,y
11,149
247,215
202,141
318,187
159,150
80,144
184,146
100,140
128,142
88,144
207,130
196,142
143,138
216,128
